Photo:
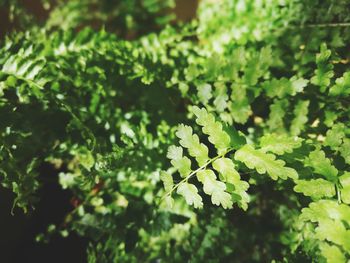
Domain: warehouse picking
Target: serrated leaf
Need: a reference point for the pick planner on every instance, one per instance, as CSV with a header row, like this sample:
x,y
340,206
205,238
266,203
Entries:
x,y
322,165
167,180
330,118
345,190
240,106
204,92
332,253
279,144
221,96
282,87
191,141
342,86
215,189
315,188
300,113
214,129
324,210
190,193
334,136
264,163
277,113
180,163
229,174
257,66
168,202
278,88
298,84
226,167
344,150
334,231
324,71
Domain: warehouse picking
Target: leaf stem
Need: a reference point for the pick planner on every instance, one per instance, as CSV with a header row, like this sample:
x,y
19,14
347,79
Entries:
x,y
196,171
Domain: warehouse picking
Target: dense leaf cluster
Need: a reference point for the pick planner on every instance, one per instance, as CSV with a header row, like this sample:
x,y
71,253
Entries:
x,y
225,139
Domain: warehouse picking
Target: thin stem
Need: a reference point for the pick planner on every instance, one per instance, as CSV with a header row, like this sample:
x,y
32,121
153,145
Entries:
x,y
338,193
327,25
196,171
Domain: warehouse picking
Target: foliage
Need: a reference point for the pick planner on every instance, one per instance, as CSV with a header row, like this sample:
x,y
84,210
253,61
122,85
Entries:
x,y
225,139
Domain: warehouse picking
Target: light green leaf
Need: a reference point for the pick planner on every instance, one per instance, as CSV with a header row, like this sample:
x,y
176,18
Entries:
x,y
180,163
229,174
324,71
279,144
213,129
215,188
298,84
204,92
240,106
315,188
221,96
332,253
264,163
322,165
277,113
330,118
300,113
324,210
334,231
226,167
345,190
190,193
342,86
344,150
334,136
191,142
278,88
167,180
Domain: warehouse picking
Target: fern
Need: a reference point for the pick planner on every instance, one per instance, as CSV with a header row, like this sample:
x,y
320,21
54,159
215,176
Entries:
x,y
217,189
149,117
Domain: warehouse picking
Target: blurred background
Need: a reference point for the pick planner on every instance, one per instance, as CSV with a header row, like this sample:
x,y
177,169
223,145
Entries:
x,y
18,231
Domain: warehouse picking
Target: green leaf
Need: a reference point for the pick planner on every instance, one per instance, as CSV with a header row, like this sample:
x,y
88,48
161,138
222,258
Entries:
x,y
191,142
277,113
221,96
342,86
228,173
345,190
214,129
204,92
167,180
181,163
322,165
257,66
240,106
315,188
333,231
325,209
215,188
344,150
190,193
300,113
279,144
332,253
282,87
298,84
334,136
324,71
264,163
330,118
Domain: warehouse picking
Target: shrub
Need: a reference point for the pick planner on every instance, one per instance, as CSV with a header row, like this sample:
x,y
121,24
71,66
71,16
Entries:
x,y
224,139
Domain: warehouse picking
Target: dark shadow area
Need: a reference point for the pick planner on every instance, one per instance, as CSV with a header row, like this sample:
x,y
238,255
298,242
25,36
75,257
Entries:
x,y
18,232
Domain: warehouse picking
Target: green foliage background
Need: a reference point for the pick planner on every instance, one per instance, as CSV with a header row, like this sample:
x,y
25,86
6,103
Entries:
x,y
223,139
